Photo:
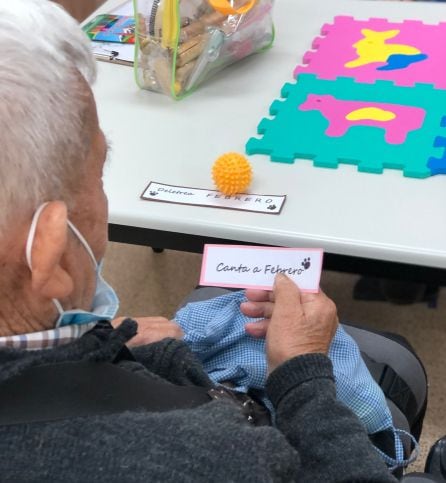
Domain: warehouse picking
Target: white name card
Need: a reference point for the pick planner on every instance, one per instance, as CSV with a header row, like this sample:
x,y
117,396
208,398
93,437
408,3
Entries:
x,y
241,266
270,204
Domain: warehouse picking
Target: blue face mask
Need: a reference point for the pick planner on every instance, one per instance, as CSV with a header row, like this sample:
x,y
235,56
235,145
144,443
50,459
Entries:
x,y
105,302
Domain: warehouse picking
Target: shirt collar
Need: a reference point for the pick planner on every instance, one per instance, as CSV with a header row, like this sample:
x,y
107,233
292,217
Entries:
x,y
46,339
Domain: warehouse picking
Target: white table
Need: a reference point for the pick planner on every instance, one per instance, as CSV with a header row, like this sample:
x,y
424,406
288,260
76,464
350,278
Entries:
x,y
361,220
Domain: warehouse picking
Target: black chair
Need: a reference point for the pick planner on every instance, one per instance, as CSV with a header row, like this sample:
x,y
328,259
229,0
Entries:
x,y
436,460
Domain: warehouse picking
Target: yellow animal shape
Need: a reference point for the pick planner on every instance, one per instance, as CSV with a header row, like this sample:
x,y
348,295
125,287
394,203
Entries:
x,y
371,114
373,48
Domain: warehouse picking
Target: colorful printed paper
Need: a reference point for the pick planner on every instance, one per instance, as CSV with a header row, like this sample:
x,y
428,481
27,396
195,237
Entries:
x,y
111,28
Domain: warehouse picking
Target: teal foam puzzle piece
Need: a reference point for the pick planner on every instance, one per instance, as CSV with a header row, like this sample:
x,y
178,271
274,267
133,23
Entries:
x,y
437,165
292,133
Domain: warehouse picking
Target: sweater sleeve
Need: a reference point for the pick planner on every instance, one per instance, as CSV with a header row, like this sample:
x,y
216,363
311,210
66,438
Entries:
x,y
172,359
330,439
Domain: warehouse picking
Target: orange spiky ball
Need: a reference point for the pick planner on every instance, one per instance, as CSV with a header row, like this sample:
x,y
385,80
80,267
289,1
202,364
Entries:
x,y
232,173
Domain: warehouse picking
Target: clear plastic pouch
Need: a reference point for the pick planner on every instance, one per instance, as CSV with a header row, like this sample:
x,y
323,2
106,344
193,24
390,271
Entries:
x,y
181,43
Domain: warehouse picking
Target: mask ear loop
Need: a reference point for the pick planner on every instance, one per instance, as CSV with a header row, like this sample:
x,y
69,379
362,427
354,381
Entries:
x,y
84,242
32,234
29,246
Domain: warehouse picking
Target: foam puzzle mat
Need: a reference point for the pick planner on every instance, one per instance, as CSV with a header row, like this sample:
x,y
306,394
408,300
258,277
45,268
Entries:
x,y
373,94
374,126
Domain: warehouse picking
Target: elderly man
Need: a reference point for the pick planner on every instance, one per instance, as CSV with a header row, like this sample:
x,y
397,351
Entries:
x,y
77,404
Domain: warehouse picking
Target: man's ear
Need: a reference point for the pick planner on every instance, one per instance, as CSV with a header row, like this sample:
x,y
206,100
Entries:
x,y
48,278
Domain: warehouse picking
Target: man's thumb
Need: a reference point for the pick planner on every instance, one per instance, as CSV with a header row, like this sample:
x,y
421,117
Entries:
x,y
284,288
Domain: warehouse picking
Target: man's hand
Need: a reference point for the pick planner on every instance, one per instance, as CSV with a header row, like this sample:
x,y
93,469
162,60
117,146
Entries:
x,y
294,323
152,329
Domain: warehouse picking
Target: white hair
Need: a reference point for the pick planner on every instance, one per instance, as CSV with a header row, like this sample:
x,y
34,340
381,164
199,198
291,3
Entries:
x,y
43,54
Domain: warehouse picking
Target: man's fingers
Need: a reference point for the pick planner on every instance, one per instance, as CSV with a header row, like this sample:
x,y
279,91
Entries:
x,y
151,320
152,329
283,283
313,297
142,321
257,329
257,309
117,322
287,295
259,295
175,331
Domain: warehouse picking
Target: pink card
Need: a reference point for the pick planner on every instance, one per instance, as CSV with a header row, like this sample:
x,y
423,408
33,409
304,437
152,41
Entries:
x,y
406,52
240,266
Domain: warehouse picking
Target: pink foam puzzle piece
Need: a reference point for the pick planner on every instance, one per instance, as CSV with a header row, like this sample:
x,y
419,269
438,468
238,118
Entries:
x,y
403,119
344,42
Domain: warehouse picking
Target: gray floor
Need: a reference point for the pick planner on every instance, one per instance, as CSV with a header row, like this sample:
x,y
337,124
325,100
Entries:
x,y
154,284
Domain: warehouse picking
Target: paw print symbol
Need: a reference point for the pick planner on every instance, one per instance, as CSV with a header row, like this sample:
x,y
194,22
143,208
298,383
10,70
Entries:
x,y
306,263
153,193
271,207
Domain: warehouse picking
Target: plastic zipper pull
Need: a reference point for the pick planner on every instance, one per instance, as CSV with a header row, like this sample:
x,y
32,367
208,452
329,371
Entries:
x,y
226,8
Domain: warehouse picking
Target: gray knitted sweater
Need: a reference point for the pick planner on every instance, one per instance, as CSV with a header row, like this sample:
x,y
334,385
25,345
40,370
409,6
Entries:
x,y
317,439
